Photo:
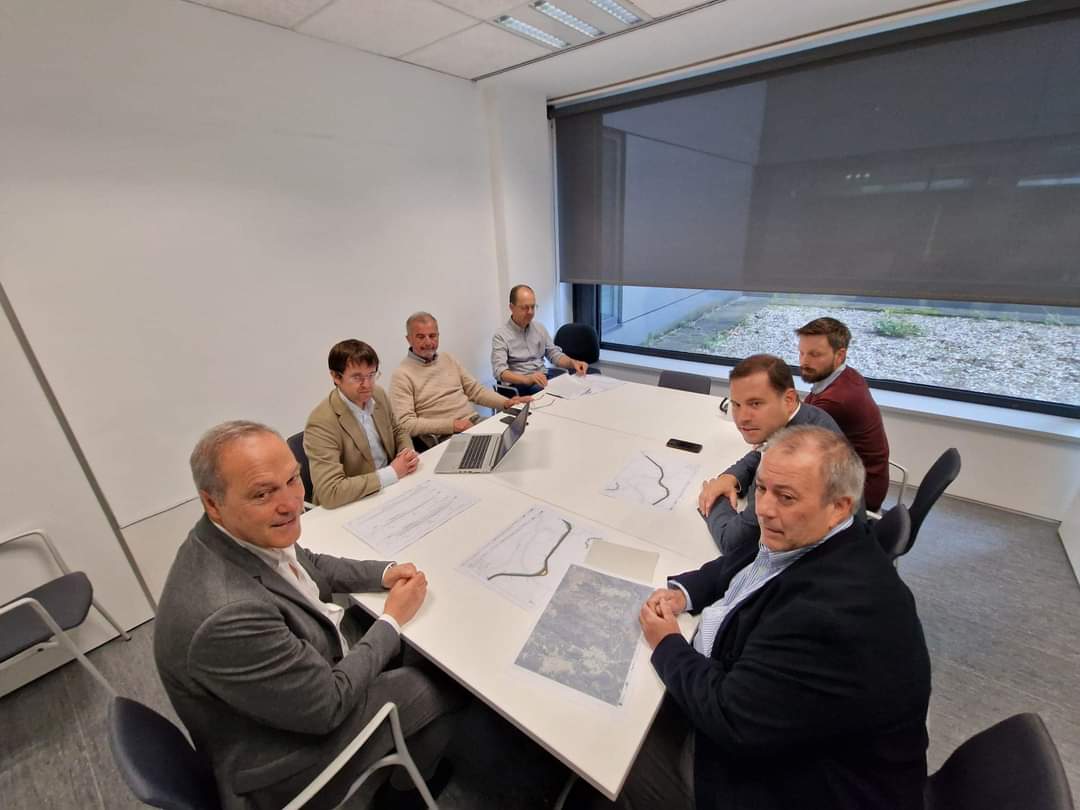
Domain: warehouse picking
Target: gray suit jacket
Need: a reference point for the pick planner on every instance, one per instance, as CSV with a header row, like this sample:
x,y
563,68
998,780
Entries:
x,y
253,670
730,529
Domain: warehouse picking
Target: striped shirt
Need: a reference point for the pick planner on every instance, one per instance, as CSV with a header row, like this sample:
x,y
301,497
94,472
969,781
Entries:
x,y
766,565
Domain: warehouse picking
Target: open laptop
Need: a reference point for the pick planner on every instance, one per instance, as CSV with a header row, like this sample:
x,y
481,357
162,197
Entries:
x,y
482,453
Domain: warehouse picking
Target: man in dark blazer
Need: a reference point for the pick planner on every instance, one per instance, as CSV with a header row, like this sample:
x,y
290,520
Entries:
x,y
807,682
254,656
353,446
763,401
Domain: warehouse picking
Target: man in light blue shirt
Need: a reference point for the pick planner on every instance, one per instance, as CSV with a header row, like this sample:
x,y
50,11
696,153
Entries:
x,y
520,345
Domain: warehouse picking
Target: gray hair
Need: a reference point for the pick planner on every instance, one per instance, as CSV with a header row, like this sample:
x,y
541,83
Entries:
x,y
419,316
206,456
841,468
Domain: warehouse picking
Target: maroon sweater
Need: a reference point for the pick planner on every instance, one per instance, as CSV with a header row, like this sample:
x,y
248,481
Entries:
x,y
847,400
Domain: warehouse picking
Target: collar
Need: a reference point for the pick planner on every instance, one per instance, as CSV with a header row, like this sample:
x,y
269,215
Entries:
x,y
418,359
821,385
519,329
367,408
789,556
271,556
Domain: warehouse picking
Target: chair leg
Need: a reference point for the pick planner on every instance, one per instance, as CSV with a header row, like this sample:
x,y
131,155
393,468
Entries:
x,y
410,766
564,794
65,639
123,633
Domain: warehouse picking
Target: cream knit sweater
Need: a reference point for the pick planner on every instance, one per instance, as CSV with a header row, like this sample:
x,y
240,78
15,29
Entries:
x,y
428,397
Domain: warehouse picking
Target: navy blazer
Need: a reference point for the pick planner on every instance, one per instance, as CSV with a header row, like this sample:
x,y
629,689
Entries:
x,y
816,691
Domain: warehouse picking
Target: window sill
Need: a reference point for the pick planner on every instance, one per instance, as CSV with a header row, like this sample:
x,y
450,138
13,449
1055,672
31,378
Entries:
x,y
987,416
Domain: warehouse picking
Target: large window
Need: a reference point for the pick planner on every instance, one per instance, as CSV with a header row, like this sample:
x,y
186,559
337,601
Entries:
x,y
923,187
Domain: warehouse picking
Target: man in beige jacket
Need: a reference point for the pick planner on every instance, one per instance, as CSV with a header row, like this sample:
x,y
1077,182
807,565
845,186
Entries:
x,y
431,392
350,439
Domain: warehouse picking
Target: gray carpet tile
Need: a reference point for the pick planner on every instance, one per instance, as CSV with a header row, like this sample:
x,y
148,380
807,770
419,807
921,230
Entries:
x,y
998,600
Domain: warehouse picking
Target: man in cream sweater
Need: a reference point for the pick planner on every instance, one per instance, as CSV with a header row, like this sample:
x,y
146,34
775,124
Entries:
x,y
430,392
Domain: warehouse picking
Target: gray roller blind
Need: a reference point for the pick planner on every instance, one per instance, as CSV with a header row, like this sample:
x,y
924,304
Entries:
x,y
943,169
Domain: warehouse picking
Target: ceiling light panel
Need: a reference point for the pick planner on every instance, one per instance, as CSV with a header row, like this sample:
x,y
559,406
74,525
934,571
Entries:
x,y
529,31
566,18
622,13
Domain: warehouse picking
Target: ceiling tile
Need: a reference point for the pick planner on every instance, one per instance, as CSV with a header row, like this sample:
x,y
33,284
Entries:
x,y
285,13
388,27
481,9
661,8
477,51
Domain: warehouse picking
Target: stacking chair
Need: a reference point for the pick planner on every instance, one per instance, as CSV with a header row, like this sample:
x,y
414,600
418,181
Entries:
x,y
581,342
164,770
38,620
1013,765
296,444
684,381
893,532
937,479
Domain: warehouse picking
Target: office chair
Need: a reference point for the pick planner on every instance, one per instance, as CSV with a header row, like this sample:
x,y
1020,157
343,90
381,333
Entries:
x,y
893,532
163,770
1012,765
937,479
38,620
581,342
683,381
296,444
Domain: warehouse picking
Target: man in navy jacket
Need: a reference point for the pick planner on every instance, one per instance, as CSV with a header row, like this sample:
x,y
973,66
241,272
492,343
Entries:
x,y
807,682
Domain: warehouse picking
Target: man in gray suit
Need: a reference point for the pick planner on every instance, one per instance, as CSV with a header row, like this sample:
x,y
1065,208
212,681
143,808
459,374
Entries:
x,y
763,400
256,659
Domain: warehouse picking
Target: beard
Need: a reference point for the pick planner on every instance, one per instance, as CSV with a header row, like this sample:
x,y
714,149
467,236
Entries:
x,y
811,376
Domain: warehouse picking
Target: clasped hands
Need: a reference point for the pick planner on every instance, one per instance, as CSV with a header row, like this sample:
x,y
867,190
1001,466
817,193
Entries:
x,y
408,587
657,617
405,462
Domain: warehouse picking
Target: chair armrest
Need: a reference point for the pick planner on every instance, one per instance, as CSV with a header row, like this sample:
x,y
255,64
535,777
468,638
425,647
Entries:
x,y
48,545
389,709
903,480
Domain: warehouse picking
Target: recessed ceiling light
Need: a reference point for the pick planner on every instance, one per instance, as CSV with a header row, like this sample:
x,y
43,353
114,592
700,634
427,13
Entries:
x,y
567,19
620,13
530,31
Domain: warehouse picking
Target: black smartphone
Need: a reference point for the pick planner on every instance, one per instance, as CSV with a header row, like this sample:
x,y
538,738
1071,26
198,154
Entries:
x,y
679,444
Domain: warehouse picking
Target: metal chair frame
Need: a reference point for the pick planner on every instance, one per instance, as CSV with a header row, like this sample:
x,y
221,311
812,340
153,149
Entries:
x,y
60,637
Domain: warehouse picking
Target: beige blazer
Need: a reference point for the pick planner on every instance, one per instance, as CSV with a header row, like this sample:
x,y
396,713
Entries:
x,y
342,469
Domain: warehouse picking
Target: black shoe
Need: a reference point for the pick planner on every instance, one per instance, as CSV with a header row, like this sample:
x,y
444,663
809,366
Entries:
x,y
388,797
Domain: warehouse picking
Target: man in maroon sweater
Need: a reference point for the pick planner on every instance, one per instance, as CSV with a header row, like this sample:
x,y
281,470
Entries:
x,y
842,392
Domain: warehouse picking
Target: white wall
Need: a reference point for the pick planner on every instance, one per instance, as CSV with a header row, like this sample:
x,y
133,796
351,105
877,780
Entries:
x,y
44,488
195,206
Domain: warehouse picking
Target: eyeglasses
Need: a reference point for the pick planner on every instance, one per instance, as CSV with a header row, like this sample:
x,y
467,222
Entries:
x,y
356,379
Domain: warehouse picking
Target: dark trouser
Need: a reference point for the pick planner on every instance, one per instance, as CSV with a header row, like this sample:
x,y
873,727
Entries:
x,y
429,705
528,390
662,776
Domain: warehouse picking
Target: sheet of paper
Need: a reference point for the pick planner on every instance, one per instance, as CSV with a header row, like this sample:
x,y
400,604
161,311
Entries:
x,y
588,634
402,521
622,561
572,386
652,479
526,560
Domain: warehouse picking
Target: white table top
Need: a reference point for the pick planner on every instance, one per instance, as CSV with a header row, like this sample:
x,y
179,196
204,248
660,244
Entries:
x,y
562,462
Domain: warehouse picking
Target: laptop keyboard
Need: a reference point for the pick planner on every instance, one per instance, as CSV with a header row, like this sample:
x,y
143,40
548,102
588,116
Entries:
x,y
475,452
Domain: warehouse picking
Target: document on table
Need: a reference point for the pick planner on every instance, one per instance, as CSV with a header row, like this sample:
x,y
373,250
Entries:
x,y
622,561
525,561
652,479
572,386
400,522
588,634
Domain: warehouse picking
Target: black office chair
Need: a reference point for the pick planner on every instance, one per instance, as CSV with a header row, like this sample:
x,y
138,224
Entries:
x,y
40,618
164,770
934,483
893,532
1013,765
683,381
581,342
296,444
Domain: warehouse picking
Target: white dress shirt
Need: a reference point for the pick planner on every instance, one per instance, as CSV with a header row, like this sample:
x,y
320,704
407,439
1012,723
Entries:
x,y
387,474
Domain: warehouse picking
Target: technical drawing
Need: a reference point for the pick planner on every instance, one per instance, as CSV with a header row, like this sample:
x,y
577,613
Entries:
x,y
652,479
403,520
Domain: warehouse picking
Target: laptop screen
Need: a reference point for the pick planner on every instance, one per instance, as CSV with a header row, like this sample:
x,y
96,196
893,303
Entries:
x,y
511,434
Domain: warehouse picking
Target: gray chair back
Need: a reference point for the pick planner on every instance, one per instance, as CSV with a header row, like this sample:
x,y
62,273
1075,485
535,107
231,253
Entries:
x,y
684,381
937,479
1013,765
893,531
156,760
296,444
579,340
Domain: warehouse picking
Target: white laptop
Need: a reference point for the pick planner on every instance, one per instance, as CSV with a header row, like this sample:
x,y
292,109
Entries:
x,y
482,453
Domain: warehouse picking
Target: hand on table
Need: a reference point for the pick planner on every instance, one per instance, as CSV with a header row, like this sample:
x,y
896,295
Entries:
x,y
658,620
579,367
537,378
405,462
398,572
406,596
673,596
723,486
512,401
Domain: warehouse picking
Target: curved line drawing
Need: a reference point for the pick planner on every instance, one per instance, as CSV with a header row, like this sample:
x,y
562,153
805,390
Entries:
x,y
543,572
667,492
